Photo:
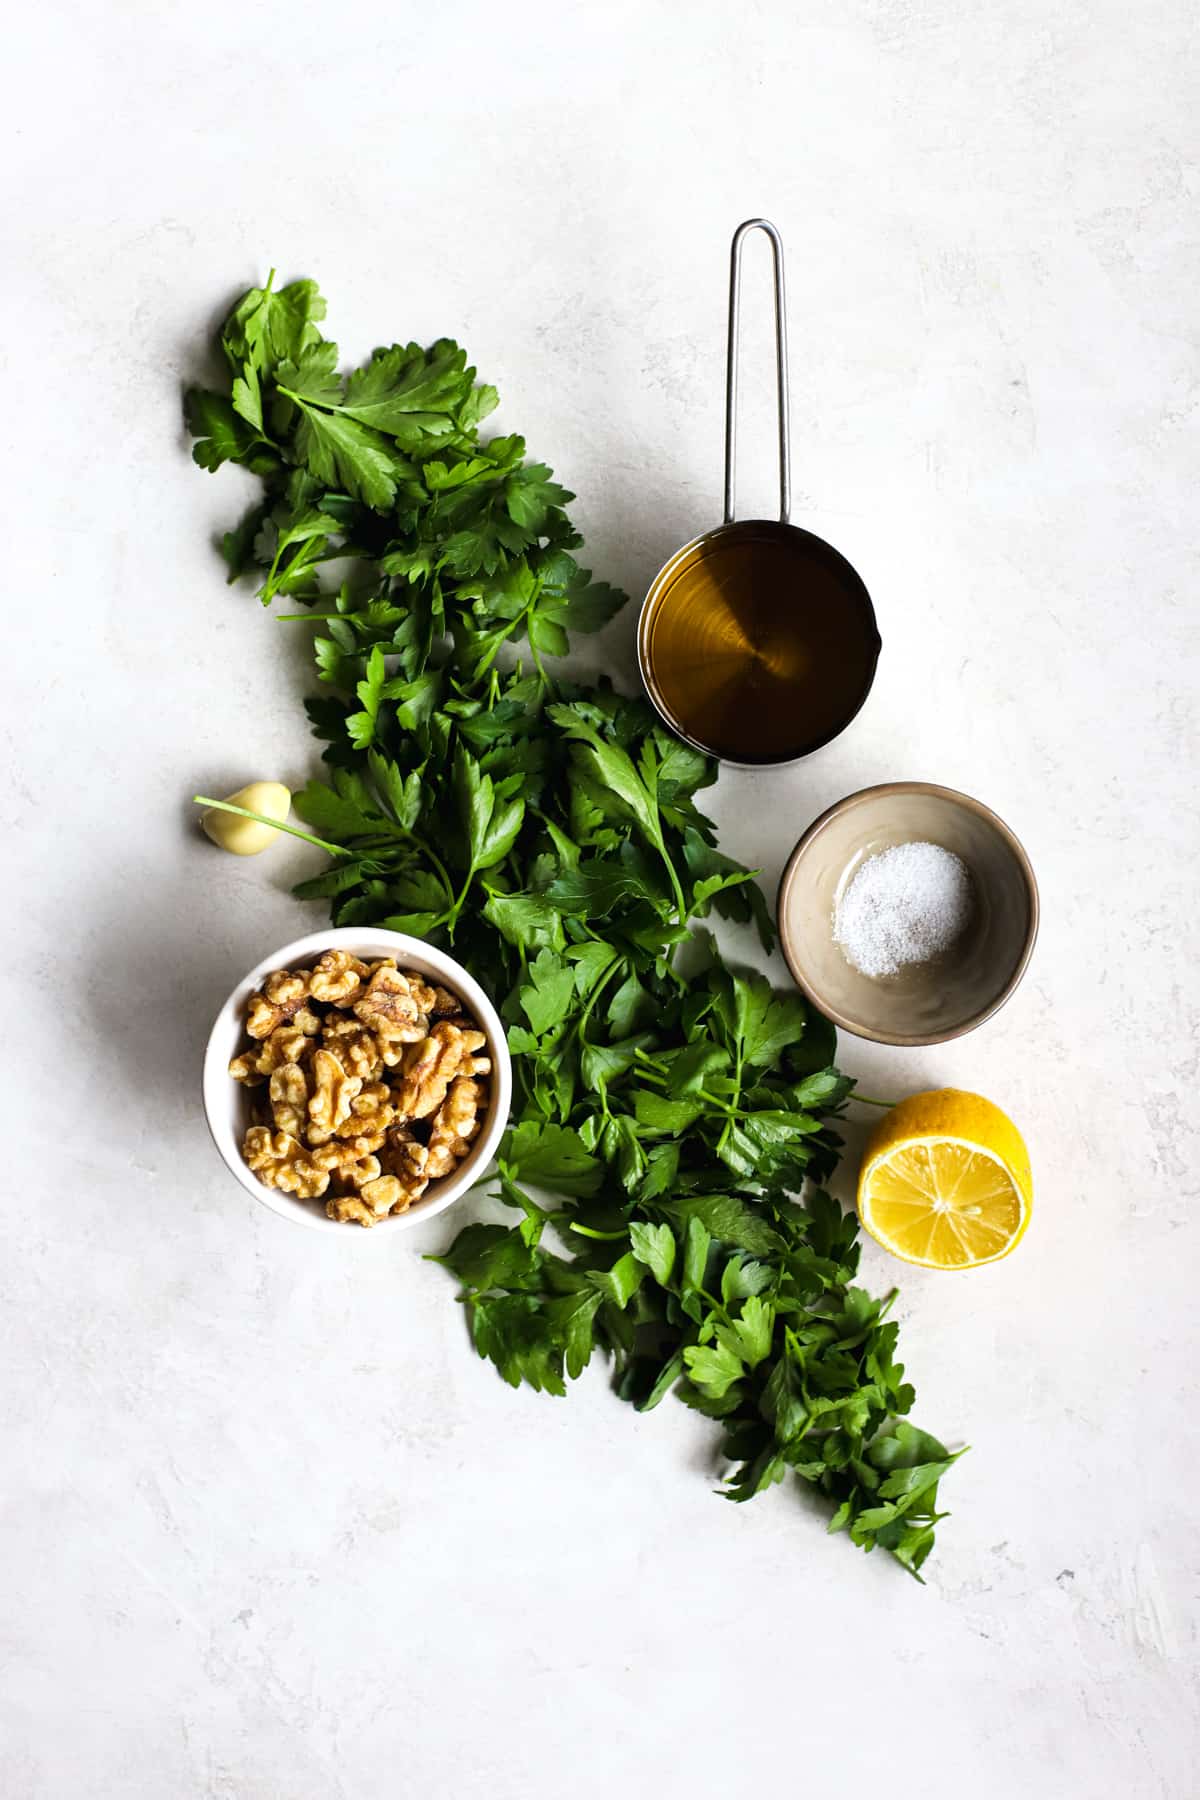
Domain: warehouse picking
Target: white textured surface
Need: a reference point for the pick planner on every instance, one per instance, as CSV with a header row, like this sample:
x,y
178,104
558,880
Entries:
x,y
268,1528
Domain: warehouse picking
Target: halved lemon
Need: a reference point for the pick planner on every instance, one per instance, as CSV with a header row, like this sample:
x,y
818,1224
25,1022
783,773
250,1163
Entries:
x,y
946,1181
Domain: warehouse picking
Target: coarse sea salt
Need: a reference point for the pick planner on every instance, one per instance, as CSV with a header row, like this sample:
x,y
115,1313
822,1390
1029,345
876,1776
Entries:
x,y
904,905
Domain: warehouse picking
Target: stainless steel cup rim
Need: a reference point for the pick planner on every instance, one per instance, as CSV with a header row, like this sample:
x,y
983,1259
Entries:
x,y
804,541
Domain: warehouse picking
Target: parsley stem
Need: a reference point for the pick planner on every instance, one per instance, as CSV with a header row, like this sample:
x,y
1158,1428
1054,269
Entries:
x,y
541,668
670,969
867,1100
301,558
243,812
606,1237
435,859
596,992
720,1105
486,661
733,1104
680,902
714,1303
450,917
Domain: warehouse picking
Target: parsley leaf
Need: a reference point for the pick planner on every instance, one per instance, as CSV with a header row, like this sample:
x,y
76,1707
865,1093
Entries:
x,y
549,994
550,1156
342,453
269,327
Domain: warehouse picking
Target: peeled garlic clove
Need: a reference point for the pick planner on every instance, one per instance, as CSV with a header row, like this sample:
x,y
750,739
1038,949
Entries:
x,y
246,837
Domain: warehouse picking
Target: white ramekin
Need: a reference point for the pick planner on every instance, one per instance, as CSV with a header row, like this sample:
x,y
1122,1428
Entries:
x,y
227,1102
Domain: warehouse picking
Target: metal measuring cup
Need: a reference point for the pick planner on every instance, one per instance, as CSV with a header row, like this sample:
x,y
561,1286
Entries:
x,y
757,641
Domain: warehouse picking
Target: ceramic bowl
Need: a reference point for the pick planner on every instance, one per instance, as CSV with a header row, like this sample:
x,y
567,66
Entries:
x,y
923,1003
227,1103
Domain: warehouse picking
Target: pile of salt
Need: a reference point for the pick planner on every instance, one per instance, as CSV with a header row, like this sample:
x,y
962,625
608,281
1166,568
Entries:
x,y
905,905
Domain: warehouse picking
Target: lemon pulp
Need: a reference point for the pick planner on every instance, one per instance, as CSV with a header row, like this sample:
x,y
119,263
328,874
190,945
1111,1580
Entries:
x,y
946,1181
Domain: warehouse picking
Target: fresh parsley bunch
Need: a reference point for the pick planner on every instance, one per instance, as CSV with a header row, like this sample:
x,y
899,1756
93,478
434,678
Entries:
x,y
668,1108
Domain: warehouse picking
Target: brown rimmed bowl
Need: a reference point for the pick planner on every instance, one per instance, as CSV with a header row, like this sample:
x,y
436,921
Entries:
x,y
923,1003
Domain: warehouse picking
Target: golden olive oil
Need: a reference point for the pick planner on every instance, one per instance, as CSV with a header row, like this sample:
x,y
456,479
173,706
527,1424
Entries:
x,y
759,642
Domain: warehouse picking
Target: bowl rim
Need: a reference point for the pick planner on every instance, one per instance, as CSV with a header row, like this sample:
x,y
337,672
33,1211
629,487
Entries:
x,y
227,1031
883,788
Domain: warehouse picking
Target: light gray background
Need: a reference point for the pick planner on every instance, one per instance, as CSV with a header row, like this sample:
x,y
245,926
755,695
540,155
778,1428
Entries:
x,y
268,1528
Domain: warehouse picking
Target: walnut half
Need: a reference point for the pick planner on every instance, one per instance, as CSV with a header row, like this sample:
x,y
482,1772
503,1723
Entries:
x,y
288,1093
454,1125
337,977
284,995
431,1065
333,1094
287,1043
392,1007
280,1162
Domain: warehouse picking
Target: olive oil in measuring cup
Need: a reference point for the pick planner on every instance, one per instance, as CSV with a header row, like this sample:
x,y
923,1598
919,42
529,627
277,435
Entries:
x,y
758,646
758,641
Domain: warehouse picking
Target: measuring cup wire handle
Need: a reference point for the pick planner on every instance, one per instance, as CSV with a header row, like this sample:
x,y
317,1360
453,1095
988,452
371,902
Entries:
x,y
781,367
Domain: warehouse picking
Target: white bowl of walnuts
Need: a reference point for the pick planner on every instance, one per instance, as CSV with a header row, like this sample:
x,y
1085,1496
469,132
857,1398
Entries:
x,y
357,1077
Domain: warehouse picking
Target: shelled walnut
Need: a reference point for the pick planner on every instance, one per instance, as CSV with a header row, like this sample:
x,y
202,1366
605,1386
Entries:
x,y
284,997
454,1125
370,1084
429,1067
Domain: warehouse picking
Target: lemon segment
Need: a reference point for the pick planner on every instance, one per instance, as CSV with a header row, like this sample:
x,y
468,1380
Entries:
x,y
946,1181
